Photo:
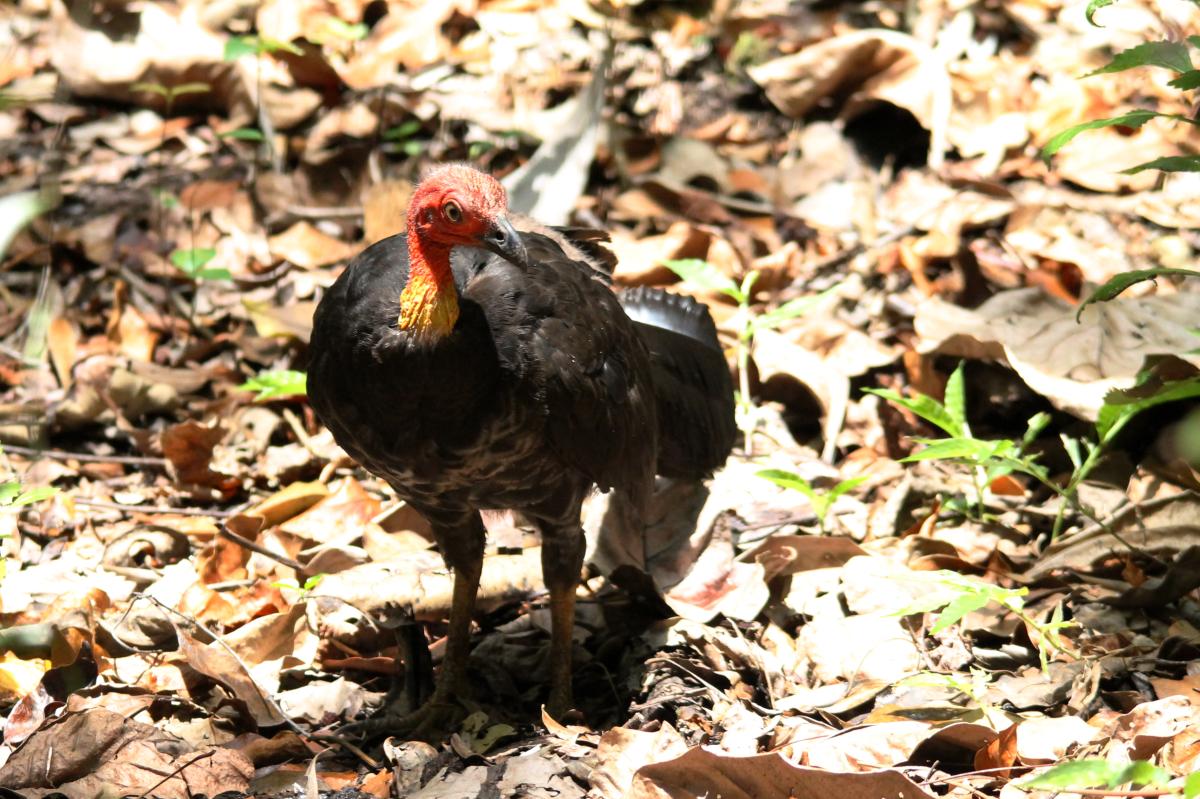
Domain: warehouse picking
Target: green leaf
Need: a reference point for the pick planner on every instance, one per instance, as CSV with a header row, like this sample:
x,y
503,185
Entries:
x,y
960,606
844,486
9,491
1132,119
278,383
269,45
923,406
1187,81
344,30
17,211
1037,423
1093,7
1169,55
1114,286
790,480
214,274
199,87
240,46
34,495
1141,773
1191,786
956,397
1169,163
1087,773
1119,407
243,134
704,275
747,287
190,262
151,88
972,449
789,310
402,131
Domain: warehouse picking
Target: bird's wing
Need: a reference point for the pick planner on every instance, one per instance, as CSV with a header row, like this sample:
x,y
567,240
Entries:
x,y
564,338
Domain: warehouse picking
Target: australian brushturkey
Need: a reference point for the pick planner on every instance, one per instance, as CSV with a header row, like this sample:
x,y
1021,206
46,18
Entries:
x,y
474,366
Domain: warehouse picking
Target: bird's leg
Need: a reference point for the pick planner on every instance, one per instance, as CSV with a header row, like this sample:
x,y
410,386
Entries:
x,y
462,547
562,561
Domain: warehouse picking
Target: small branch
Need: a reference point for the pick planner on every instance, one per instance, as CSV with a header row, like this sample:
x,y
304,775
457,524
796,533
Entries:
x,y
63,455
98,503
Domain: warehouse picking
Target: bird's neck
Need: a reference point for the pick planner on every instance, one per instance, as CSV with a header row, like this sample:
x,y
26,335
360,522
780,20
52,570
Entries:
x,y
429,302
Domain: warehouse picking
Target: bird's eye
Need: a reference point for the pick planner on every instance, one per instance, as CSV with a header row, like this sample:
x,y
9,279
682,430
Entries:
x,y
452,212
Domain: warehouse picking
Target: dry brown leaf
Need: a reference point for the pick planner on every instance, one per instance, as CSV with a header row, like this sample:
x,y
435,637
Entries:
x,y
623,752
1071,364
347,509
700,772
294,319
189,447
309,248
866,65
385,206
83,754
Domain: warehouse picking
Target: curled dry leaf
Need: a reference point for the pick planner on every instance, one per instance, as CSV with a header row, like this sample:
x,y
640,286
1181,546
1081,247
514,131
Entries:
x,y
1072,364
700,772
84,754
309,248
868,65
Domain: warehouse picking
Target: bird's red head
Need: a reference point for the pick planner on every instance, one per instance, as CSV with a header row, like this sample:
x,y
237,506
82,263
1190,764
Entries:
x,y
457,205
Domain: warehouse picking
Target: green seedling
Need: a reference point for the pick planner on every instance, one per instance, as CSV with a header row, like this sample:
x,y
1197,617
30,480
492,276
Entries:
x,y
277,384
955,595
193,263
821,501
987,459
309,585
13,495
243,134
402,138
706,276
258,46
1078,776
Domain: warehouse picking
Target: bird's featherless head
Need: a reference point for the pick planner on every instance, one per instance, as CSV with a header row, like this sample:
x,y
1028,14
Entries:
x,y
455,205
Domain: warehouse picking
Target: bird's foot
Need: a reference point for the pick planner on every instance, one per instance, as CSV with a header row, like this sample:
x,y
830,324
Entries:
x,y
432,722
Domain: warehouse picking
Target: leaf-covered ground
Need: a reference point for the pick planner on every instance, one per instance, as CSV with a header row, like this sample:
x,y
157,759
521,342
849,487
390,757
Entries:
x,y
973,554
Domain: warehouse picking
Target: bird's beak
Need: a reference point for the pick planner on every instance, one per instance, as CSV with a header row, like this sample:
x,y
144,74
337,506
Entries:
x,y
504,240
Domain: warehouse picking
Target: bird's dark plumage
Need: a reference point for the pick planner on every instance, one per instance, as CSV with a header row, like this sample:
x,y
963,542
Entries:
x,y
547,383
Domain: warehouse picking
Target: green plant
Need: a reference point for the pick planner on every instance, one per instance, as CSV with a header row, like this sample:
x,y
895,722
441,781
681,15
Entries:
x,y
974,688
1088,774
194,263
258,46
309,586
705,275
1174,56
276,384
990,459
821,501
402,138
12,495
955,595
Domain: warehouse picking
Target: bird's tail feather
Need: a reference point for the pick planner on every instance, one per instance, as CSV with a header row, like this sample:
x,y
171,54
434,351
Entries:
x,y
692,387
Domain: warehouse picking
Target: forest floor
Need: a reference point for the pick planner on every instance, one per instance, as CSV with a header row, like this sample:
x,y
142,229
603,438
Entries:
x,y
984,568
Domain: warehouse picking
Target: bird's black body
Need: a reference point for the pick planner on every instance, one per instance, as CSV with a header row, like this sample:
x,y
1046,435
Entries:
x,y
544,388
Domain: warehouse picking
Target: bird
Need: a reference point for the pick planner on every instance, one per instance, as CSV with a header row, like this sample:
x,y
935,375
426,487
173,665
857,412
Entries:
x,y
482,361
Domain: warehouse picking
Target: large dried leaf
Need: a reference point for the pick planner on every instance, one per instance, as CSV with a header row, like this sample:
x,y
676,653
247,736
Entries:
x,y
1072,364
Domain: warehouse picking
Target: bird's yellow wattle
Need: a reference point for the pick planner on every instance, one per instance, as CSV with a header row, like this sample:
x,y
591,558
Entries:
x,y
428,305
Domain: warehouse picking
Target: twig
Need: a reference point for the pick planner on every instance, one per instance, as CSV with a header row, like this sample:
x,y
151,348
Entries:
x,y
63,455
296,728
99,503
176,772
254,546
